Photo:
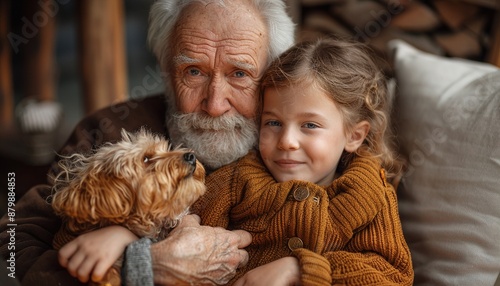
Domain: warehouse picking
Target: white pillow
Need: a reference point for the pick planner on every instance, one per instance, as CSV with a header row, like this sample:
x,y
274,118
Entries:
x,y
448,118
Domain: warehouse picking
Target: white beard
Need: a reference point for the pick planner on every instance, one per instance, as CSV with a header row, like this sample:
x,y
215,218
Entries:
x,y
216,141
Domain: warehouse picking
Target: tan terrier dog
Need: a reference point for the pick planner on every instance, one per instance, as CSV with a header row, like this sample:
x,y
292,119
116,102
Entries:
x,y
138,183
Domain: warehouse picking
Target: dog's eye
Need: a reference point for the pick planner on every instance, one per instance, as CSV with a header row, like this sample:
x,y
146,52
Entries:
x,y
146,159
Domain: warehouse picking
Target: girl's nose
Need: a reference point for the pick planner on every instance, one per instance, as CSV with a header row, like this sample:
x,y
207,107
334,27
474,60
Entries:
x,y
288,140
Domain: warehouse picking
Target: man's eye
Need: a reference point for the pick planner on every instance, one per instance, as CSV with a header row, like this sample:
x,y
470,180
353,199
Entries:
x,y
194,72
240,74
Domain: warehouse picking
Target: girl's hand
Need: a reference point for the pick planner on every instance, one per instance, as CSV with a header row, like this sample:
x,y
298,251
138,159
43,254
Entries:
x,y
284,271
95,252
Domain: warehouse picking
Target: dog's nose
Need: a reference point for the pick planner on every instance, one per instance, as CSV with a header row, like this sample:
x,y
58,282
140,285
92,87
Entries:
x,y
190,158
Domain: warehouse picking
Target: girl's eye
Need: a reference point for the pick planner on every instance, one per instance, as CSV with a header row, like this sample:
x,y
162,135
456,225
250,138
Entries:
x,y
273,123
310,125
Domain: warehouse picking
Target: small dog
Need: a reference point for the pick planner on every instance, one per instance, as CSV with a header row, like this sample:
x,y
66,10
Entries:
x,y
138,183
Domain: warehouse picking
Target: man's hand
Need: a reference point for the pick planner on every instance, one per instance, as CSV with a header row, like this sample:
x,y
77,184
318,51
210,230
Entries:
x,y
201,255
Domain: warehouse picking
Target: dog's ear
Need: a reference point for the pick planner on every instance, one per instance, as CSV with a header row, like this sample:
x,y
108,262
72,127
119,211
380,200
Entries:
x,y
94,200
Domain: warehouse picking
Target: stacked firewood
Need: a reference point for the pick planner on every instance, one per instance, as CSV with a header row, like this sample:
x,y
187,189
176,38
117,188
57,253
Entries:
x,y
457,28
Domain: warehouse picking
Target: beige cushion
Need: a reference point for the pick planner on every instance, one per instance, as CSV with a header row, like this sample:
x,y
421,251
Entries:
x,y
448,118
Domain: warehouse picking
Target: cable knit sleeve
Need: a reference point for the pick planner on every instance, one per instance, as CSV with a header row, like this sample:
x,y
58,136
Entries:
x,y
359,197
366,212
376,255
315,268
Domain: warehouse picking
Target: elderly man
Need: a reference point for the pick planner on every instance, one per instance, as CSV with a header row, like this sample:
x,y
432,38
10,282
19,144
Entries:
x,y
212,53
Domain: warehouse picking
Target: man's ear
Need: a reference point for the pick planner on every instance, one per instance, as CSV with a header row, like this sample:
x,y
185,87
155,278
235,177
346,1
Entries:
x,y
357,135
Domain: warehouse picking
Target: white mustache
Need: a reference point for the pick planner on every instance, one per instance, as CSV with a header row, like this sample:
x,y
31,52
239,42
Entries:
x,y
206,122
217,141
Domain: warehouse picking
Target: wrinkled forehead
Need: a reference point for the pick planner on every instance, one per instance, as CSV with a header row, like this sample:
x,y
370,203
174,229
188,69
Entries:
x,y
230,26
231,14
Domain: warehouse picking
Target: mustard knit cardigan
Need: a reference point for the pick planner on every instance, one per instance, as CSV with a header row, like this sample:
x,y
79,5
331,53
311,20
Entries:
x,y
346,234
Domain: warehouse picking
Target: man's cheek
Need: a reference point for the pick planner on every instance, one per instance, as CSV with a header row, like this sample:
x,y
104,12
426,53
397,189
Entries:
x,y
189,100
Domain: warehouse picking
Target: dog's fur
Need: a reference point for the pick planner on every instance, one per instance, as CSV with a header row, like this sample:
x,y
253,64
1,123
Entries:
x,y
139,183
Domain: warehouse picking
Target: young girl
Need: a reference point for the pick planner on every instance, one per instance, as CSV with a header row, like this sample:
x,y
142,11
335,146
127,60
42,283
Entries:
x,y
316,196
318,189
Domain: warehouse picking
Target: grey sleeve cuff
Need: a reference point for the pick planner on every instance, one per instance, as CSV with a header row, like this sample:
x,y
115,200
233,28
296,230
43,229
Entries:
x,y
137,265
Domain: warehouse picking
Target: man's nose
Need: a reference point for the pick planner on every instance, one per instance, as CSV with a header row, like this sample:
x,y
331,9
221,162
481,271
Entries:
x,y
217,102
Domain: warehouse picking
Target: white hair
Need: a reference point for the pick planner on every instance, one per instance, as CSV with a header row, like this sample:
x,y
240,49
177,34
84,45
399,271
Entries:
x,y
164,14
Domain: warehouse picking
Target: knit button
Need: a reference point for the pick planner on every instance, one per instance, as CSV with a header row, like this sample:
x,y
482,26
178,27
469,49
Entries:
x,y
294,243
300,193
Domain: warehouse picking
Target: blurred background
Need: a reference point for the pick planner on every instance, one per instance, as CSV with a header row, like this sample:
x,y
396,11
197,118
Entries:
x,y
59,61
63,59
